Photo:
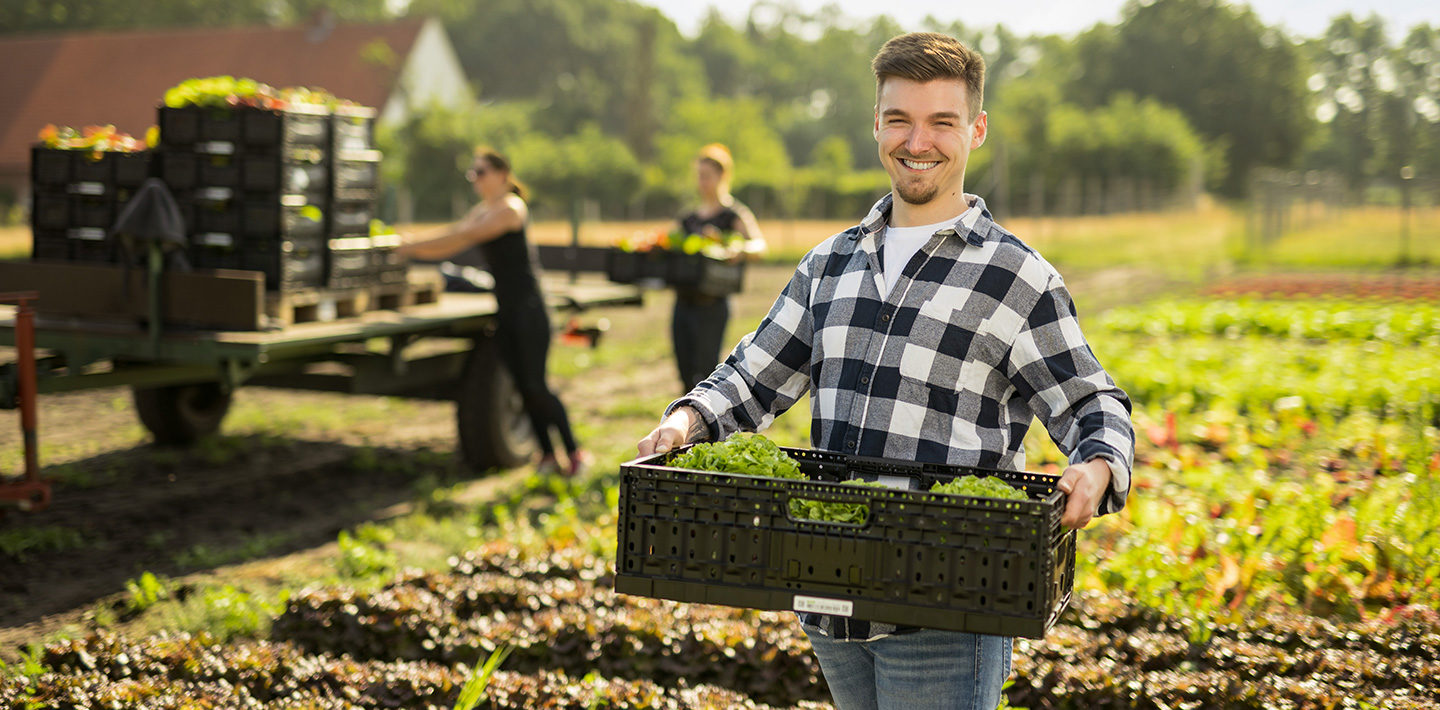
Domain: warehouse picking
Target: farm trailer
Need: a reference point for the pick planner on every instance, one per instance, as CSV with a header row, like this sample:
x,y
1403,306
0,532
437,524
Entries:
x,y
182,378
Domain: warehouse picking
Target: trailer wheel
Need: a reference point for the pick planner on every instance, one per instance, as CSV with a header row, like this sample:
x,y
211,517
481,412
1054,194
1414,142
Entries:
x,y
493,430
177,415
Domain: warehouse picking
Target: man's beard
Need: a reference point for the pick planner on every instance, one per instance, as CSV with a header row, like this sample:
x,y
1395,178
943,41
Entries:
x,y
919,194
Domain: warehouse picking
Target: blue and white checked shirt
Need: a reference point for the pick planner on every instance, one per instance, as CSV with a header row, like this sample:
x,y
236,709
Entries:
x,y
977,337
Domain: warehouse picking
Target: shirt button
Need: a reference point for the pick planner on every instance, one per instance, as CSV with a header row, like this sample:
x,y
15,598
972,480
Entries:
x,y
865,380
850,444
885,318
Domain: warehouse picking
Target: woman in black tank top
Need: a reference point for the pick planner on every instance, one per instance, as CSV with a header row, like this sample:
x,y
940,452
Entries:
x,y
697,327
496,227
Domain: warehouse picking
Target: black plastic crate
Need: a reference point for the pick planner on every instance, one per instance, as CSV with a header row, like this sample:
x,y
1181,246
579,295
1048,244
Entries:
x,y
244,127
629,267
352,128
58,168
349,263
388,266
349,219
979,565
49,245
188,125
710,277
272,173
132,169
290,264
185,170
295,126
50,166
92,246
291,217
355,175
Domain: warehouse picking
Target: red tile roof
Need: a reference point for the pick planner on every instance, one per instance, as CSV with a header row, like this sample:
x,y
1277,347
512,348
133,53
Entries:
x,y
120,77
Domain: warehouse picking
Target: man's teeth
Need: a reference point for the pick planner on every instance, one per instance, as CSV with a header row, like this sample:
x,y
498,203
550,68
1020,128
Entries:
x,y
918,165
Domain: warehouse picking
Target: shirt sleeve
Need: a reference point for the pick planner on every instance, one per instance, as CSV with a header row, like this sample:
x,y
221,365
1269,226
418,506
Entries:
x,y
1087,415
766,373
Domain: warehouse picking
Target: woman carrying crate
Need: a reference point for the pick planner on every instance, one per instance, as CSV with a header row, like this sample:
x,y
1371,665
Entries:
x,y
697,327
496,226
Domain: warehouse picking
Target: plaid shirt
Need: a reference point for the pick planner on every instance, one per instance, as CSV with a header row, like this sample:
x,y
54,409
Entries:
x,y
977,337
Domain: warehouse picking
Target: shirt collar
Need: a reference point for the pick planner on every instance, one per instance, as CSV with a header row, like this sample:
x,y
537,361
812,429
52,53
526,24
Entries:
x,y
879,216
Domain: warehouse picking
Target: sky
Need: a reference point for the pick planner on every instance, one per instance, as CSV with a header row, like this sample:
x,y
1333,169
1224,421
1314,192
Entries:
x,y
1303,18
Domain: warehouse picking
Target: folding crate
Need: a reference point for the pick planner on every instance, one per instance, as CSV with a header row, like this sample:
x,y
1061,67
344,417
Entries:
x,y
629,267
355,175
352,128
349,263
980,565
710,277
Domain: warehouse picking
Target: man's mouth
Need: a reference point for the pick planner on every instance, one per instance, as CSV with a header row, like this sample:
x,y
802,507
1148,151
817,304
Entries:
x,y
919,164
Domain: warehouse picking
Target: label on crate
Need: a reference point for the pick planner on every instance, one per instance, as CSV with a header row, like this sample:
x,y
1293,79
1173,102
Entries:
x,y
386,241
215,148
215,239
89,234
820,605
214,193
87,188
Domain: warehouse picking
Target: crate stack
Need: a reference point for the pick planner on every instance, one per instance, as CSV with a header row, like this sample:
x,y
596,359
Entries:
x,y
253,188
76,196
354,260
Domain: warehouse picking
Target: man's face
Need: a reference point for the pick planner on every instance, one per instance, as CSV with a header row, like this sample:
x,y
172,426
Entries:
x,y
925,136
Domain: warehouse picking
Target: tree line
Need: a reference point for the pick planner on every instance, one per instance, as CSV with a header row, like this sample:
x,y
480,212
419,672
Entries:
x,y
607,100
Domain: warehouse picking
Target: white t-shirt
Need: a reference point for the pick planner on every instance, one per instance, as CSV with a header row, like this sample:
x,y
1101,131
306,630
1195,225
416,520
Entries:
x,y
901,243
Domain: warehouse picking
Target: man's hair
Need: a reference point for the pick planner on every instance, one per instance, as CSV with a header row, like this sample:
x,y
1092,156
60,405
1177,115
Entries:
x,y
927,56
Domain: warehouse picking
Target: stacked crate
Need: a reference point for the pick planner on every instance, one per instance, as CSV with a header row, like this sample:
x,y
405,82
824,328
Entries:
x,y
354,259
253,188
76,196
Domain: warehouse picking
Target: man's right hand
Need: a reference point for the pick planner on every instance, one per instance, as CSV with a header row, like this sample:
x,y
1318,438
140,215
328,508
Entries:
x,y
683,426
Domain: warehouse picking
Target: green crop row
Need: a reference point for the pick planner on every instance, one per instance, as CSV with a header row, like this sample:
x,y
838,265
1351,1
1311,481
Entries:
x,y
1401,323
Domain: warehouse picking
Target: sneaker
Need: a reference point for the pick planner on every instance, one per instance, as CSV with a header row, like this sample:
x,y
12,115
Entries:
x,y
580,462
548,465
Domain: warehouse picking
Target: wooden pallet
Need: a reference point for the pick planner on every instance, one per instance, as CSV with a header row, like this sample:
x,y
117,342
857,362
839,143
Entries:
x,y
319,305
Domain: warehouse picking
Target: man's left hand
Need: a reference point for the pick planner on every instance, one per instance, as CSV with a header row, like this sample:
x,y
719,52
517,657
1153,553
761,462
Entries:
x,y
1085,483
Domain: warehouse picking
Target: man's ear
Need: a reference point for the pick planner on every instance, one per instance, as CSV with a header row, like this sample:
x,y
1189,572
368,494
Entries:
x,y
979,131
875,130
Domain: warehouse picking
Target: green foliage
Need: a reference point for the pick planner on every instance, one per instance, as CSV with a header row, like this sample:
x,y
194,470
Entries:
x,y
146,591
21,542
586,164
1237,81
742,453
1327,320
363,554
474,689
980,487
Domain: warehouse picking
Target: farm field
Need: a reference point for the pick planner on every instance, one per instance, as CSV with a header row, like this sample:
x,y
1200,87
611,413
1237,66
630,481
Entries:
x,y
1279,548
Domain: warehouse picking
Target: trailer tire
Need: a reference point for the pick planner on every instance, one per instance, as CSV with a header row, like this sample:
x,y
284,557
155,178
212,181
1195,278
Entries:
x,y
177,415
493,429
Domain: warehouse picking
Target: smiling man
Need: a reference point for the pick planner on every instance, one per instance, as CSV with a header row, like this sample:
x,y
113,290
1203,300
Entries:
x,y
926,333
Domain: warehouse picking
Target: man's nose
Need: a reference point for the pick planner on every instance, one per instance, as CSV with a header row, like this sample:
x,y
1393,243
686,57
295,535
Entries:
x,y
918,142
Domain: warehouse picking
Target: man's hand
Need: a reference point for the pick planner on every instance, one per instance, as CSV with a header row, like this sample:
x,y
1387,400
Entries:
x,y
683,426
1085,483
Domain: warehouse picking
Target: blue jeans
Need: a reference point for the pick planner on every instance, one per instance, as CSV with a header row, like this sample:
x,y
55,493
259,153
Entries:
x,y
921,670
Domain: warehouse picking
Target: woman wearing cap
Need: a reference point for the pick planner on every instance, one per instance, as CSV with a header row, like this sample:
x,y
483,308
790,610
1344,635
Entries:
x,y
496,226
698,325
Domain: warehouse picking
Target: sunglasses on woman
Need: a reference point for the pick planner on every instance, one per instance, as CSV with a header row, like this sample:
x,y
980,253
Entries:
x,y
473,173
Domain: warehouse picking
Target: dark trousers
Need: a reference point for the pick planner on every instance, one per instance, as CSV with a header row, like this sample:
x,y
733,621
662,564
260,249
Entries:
x,y
523,336
698,331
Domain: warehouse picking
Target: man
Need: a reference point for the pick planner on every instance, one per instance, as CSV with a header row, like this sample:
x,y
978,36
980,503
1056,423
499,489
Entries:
x,y
926,333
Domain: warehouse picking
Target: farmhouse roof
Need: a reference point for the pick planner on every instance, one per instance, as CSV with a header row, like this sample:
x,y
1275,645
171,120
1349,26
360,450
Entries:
x,y
98,78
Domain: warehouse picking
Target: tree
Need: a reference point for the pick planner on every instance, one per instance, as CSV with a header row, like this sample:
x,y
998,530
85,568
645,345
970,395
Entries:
x,y
1236,80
